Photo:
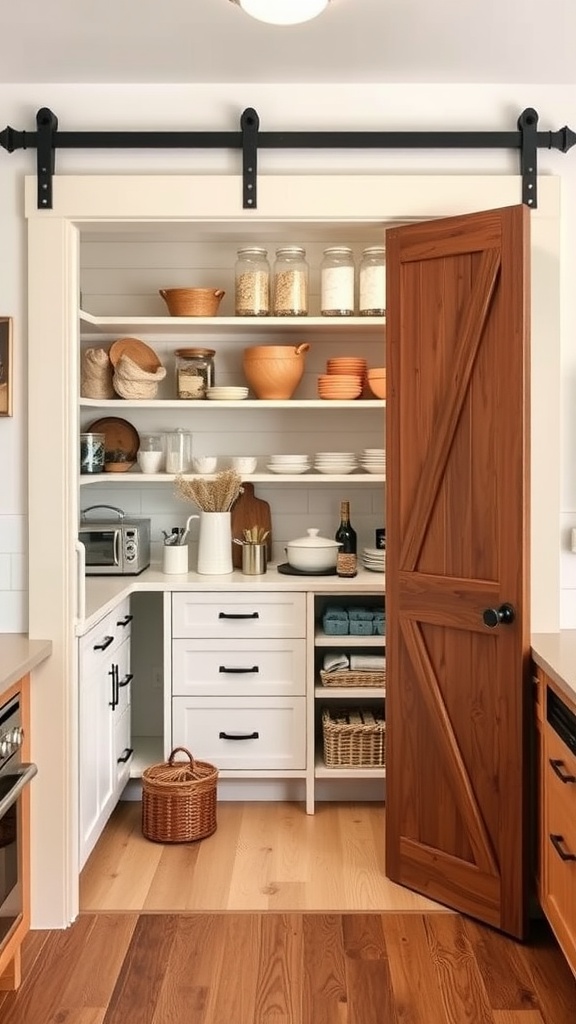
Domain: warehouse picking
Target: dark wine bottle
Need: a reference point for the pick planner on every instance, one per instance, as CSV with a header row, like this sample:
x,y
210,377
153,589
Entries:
x,y
346,563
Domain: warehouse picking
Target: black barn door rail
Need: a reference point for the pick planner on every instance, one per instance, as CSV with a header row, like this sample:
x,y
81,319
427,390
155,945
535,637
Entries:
x,y
47,139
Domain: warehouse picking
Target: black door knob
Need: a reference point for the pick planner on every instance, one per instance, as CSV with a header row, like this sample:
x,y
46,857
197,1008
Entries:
x,y
502,616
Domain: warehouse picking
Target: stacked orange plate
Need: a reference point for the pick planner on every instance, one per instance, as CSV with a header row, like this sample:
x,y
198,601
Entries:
x,y
346,366
339,386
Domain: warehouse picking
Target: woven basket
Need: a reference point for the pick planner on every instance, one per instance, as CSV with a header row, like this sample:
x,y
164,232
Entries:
x,y
192,301
348,678
179,800
353,738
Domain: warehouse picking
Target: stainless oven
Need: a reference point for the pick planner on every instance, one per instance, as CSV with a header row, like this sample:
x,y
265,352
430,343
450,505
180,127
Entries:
x,y
15,775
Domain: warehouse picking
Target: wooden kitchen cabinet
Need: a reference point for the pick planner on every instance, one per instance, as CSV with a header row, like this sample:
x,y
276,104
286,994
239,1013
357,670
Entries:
x,y
556,871
104,722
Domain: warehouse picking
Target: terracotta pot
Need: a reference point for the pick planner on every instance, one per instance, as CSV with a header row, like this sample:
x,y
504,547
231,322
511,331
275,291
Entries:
x,y
274,371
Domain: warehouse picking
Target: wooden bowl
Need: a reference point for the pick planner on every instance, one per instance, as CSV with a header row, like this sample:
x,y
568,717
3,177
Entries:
x,y
192,301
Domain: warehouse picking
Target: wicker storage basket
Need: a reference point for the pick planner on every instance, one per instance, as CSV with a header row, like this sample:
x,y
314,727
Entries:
x,y
353,738
192,301
346,677
179,800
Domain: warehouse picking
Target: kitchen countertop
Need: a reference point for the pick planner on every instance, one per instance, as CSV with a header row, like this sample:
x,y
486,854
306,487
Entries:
x,y
555,653
104,592
19,655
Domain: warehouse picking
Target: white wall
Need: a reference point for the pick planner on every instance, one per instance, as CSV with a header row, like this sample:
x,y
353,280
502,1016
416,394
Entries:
x,y
218,108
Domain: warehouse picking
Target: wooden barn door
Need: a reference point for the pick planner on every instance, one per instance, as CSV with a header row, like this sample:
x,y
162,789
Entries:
x,y
457,562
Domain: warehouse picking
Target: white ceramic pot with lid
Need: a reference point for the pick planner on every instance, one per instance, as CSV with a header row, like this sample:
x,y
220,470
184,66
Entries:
x,y
312,553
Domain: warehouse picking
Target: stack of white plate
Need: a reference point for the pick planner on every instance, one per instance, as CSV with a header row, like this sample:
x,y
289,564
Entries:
x,y
226,394
335,462
373,460
374,559
289,464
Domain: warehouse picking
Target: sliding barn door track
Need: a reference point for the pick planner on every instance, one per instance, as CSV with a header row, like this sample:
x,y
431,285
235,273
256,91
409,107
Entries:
x,y
47,139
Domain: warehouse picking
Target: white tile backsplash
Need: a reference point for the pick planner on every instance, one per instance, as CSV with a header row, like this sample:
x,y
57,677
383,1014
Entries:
x,y
12,534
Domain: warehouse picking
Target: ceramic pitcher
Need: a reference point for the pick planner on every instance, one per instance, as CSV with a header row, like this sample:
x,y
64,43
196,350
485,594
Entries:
x,y
215,544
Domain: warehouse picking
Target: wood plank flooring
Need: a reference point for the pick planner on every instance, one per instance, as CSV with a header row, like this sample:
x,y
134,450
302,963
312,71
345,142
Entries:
x,y
262,857
272,968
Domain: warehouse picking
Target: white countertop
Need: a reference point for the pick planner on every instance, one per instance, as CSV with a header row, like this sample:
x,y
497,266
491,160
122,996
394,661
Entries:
x,y
19,655
104,592
555,653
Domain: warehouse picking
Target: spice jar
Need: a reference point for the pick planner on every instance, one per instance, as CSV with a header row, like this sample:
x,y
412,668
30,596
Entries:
x,y
252,282
373,282
290,282
194,372
337,282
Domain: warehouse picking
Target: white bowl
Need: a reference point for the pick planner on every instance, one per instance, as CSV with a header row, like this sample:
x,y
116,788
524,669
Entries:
x,y
205,463
244,463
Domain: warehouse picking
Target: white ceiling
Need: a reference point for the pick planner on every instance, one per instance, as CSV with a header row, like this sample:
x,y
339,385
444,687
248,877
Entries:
x,y
355,41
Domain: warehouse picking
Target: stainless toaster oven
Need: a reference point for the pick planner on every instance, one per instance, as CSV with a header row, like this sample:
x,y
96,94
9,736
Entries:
x,y
114,546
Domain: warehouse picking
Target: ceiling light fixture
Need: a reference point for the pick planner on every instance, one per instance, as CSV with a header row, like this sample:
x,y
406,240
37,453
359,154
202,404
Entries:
x,y
283,12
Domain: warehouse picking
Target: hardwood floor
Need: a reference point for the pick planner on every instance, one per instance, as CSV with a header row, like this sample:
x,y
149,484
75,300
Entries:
x,y
262,857
241,968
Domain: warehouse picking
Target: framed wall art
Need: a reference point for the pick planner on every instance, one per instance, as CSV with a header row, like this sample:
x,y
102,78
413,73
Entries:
x,y
5,366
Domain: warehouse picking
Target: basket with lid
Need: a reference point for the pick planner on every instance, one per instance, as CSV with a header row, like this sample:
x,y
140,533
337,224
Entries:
x,y
179,799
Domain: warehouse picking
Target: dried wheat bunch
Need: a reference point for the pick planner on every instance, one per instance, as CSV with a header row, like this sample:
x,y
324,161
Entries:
x,y
215,495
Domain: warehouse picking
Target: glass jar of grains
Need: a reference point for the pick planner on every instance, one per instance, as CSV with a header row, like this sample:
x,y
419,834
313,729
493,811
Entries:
x,y
252,282
372,282
290,282
337,282
194,371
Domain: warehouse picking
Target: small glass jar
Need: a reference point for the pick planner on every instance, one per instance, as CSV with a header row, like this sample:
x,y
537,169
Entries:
x,y
337,282
372,282
290,282
178,444
194,372
150,455
252,282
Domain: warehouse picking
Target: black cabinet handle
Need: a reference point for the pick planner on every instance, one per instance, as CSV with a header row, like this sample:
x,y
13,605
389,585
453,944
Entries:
x,y
502,616
126,621
105,643
237,671
556,765
246,615
127,679
238,735
114,675
556,843
128,751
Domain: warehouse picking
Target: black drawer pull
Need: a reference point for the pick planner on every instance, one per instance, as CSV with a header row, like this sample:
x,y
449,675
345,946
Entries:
x,y
127,679
238,735
223,668
126,621
556,764
105,643
246,615
128,751
556,841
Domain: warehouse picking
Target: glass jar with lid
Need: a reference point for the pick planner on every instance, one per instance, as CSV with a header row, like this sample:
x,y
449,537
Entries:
x,y
252,282
194,372
372,282
337,282
290,286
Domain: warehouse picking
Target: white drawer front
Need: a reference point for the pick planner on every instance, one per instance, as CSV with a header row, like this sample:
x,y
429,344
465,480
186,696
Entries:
x,y
234,667
102,640
276,728
238,616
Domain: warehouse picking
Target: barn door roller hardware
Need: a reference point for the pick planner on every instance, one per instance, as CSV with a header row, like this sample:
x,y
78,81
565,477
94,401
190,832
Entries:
x,y
47,139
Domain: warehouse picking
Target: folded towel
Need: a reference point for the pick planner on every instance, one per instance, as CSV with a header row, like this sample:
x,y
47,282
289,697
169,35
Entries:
x,y
335,661
360,613
334,612
368,662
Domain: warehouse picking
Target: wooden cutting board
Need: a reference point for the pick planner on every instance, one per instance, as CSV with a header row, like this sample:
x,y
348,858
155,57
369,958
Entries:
x,y
248,511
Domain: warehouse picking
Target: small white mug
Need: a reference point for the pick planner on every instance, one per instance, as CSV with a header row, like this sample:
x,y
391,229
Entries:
x,y
175,558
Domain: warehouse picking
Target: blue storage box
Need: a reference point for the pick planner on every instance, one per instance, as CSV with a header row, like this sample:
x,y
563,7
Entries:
x,y
335,627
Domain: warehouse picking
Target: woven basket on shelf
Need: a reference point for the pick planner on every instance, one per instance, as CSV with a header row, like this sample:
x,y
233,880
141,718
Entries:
x,y
346,677
353,738
192,301
179,800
